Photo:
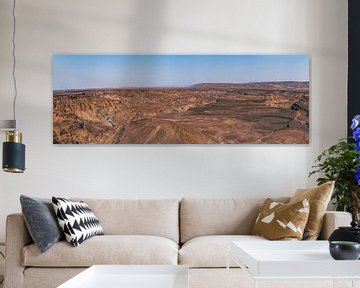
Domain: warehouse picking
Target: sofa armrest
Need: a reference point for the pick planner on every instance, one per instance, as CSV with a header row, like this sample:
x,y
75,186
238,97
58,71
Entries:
x,y
17,237
333,220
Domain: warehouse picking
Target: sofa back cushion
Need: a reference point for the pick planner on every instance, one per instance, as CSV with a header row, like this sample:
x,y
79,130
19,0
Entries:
x,y
159,217
200,217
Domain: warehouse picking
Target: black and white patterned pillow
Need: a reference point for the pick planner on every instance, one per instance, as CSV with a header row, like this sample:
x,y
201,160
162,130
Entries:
x,y
77,220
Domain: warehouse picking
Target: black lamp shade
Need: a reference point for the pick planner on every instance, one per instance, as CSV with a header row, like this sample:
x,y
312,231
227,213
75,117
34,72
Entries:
x,y
13,157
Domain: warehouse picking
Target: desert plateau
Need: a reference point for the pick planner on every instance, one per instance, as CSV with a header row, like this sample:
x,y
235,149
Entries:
x,y
205,113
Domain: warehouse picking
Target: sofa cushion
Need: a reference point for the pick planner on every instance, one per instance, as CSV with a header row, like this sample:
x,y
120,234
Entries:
x,y
158,217
211,251
41,221
279,221
319,198
77,220
107,249
200,217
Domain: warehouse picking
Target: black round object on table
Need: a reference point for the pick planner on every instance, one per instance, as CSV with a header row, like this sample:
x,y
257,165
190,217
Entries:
x,y
351,233
344,250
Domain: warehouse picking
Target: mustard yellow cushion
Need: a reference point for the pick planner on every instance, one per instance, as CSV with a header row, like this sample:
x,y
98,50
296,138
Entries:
x,y
279,221
319,198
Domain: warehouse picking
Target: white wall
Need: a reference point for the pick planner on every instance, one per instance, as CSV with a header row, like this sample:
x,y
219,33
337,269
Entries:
x,y
314,27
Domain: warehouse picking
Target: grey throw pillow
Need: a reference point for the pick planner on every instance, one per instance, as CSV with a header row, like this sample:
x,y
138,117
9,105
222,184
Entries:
x,y
41,221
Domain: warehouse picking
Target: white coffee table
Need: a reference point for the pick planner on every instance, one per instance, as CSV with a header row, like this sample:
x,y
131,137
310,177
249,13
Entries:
x,y
131,276
300,260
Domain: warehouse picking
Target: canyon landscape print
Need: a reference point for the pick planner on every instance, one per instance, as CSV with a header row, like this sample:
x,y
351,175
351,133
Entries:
x,y
181,99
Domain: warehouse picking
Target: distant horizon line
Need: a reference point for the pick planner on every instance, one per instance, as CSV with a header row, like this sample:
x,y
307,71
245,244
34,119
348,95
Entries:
x,y
187,86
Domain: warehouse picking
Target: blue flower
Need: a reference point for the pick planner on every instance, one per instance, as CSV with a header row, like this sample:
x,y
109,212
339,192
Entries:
x,y
355,122
355,126
356,134
357,176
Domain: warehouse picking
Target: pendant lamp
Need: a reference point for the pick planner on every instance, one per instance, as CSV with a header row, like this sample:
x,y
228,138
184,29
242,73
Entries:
x,y
13,159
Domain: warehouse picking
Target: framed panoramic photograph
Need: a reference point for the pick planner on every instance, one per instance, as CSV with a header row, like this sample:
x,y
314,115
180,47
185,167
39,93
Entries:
x,y
181,99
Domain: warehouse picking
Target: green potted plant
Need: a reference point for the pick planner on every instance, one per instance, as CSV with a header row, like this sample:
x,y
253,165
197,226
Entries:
x,y
341,163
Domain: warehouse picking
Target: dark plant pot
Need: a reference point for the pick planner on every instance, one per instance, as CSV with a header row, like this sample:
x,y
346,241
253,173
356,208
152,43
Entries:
x,y
344,250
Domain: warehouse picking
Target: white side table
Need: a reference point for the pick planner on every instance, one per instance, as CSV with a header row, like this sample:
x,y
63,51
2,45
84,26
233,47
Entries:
x,y
294,260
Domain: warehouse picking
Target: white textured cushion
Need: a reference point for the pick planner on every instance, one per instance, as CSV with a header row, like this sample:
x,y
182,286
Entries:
x,y
211,251
107,249
159,217
200,217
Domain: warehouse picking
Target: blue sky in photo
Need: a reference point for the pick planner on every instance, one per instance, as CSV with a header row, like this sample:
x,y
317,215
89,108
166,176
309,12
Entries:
x,y
116,71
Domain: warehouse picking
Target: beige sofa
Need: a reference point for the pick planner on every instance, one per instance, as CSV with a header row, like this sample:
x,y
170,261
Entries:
x,y
194,232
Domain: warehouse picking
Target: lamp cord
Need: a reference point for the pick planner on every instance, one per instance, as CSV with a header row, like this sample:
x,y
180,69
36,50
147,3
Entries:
x,y
14,60
2,280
